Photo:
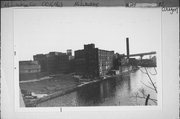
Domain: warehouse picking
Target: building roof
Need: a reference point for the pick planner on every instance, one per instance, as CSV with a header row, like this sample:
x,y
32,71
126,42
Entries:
x,y
28,62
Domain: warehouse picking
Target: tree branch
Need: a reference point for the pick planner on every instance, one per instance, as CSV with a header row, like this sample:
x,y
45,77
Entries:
x,y
151,80
142,71
154,100
148,86
152,73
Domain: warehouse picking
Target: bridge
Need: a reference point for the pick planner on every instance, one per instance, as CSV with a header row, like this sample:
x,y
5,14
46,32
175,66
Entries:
x,y
146,63
141,54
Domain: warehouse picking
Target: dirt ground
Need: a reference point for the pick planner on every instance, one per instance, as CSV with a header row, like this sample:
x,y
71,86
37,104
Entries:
x,y
60,82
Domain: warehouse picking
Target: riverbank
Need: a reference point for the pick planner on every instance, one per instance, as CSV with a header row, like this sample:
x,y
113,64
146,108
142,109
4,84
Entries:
x,y
34,80
49,87
34,102
34,90
56,86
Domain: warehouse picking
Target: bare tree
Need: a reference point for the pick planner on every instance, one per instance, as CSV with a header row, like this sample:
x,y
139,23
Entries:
x,y
151,85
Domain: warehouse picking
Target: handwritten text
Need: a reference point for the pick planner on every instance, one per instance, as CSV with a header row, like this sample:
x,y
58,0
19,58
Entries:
x,y
170,9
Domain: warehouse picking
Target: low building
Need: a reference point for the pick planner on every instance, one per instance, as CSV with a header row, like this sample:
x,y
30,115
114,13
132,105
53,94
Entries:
x,y
29,70
147,63
93,62
29,67
133,61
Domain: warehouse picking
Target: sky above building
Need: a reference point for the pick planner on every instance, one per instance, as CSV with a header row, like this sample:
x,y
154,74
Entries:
x,y
40,30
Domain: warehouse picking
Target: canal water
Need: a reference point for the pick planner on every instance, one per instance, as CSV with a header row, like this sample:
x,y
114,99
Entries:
x,y
126,90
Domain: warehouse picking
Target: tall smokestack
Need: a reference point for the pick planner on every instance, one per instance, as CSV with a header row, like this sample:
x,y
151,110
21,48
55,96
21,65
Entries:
x,y
127,47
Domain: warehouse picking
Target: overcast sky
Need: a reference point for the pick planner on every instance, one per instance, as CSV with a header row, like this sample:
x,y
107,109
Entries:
x,y
45,30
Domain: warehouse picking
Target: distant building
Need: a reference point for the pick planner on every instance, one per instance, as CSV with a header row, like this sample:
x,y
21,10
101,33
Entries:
x,y
133,61
119,60
53,62
29,67
29,70
148,62
42,60
154,60
69,53
71,61
92,61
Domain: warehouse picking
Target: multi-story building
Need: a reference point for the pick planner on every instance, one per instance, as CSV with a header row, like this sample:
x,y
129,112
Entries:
x,y
105,61
92,61
53,62
42,60
119,60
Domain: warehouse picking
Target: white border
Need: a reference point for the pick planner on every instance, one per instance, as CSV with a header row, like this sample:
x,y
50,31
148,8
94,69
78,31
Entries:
x,y
170,84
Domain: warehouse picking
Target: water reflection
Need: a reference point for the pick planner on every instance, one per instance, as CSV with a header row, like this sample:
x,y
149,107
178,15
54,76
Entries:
x,y
116,91
96,93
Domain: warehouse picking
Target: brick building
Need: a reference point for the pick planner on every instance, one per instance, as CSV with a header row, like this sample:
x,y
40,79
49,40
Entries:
x,y
29,70
29,67
53,62
92,61
42,60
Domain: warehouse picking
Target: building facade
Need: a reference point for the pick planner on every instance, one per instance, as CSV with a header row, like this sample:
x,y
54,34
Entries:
x,y
29,67
53,62
105,61
93,62
42,60
29,70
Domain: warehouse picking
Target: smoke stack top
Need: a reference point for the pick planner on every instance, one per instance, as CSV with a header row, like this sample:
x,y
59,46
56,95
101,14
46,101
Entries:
x,y
127,47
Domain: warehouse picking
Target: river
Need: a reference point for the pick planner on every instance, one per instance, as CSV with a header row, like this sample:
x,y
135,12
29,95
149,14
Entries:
x,y
119,91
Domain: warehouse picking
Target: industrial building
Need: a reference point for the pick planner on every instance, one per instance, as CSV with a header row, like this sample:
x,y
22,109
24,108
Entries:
x,y
29,70
93,62
29,67
42,60
54,62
